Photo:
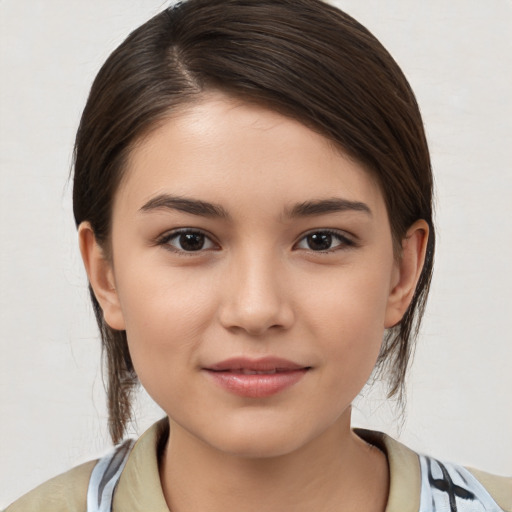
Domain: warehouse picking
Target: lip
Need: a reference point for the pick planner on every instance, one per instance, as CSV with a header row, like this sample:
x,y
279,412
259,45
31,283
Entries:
x,y
256,378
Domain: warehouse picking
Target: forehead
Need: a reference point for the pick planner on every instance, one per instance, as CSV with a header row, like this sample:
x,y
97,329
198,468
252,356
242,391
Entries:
x,y
223,149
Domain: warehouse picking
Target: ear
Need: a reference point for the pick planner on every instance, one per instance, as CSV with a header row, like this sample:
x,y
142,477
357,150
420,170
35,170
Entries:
x,y
407,272
101,276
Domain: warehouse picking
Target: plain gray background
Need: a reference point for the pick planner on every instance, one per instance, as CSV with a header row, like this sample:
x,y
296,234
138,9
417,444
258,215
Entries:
x,y
458,58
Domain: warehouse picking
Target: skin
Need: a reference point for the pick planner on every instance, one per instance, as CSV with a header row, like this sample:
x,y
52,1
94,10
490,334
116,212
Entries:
x,y
257,287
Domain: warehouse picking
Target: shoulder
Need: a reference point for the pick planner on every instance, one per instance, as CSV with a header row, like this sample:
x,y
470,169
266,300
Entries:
x,y
449,486
425,484
445,482
499,487
64,493
131,469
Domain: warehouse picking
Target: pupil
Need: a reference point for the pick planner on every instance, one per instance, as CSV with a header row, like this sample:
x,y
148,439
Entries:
x,y
192,241
320,241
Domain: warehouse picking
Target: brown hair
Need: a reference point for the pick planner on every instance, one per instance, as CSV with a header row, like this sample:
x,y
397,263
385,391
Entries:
x,y
302,58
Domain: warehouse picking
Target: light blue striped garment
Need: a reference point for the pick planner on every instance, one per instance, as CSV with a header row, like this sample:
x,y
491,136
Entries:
x,y
447,487
104,478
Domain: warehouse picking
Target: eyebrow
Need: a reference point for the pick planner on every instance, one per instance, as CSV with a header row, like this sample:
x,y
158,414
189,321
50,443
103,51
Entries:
x,y
182,204
323,206
212,210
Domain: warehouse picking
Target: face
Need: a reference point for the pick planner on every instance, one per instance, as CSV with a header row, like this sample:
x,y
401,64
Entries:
x,y
253,270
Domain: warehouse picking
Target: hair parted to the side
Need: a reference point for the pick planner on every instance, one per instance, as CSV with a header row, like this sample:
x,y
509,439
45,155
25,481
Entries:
x,y
303,58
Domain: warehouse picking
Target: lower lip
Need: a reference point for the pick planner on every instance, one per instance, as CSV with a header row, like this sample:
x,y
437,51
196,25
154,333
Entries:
x,y
257,386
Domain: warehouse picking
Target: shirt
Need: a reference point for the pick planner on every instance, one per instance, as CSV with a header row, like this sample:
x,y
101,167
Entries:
x,y
417,483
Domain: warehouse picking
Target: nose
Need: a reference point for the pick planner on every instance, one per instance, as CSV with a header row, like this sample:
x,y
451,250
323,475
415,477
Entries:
x,y
256,298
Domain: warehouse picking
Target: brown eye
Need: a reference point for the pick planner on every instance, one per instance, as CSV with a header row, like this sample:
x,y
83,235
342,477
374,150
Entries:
x,y
319,241
324,241
191,241
188,241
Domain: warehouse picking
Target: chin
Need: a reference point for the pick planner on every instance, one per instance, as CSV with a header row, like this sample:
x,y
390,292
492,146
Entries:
x,y
260,445
264,437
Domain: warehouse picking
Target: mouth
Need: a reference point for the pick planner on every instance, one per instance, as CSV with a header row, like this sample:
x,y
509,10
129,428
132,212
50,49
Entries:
x,y
247,371
256,378
263,365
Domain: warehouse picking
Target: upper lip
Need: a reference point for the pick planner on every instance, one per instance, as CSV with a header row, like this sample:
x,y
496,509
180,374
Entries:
x,y
262,364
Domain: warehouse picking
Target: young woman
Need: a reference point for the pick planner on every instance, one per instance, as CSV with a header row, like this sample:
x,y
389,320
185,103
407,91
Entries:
x,y
253,196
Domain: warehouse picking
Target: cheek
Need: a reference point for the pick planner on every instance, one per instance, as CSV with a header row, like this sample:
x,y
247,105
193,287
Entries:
x,y
352,300
346,316
165,310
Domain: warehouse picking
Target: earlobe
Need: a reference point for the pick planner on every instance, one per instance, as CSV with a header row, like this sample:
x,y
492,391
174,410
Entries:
x,y
101,276
408,271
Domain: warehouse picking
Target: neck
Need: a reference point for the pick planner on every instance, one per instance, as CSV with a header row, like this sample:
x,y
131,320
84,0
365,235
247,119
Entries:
x,y
335,471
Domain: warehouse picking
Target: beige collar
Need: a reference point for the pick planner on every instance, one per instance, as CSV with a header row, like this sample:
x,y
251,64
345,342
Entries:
x,y
139,488
404,472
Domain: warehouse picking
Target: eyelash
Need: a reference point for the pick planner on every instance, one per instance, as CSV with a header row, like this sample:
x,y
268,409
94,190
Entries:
x,y
167,237
344,241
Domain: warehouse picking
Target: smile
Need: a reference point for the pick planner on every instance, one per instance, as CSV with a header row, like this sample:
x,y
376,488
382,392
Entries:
x,y
259,378
245,371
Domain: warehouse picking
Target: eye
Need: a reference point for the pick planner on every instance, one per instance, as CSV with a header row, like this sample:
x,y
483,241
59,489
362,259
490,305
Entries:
x,y
324,241
187,240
